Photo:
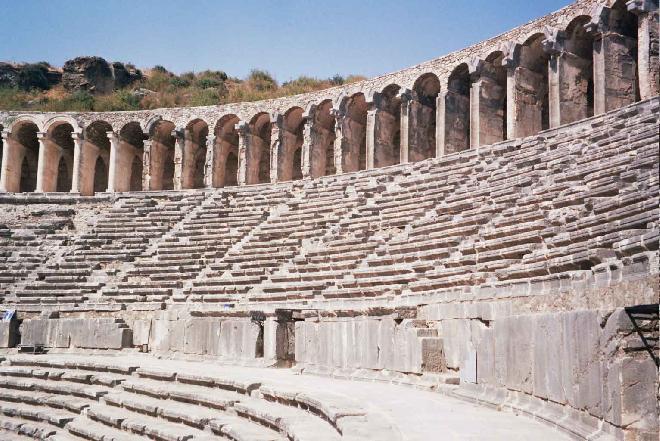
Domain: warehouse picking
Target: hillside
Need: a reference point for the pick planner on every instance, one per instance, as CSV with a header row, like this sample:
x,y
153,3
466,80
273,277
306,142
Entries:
x,y
94,84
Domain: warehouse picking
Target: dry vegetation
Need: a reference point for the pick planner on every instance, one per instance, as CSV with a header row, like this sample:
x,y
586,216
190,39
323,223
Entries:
x,y
161,88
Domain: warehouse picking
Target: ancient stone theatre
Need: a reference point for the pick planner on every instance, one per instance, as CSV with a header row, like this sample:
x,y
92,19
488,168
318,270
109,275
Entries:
x,y
464,249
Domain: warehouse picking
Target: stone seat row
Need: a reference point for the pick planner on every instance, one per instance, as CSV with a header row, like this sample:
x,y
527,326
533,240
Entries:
x,y
90,401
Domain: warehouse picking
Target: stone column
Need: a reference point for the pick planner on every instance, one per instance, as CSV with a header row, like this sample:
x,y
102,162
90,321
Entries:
x,y
553,48
113,168
9,155
243,129
179,152
41,162
440,121
647,46
510,62
209,162
276,146
475,69
146,164
78,141
372,113
306,152
406,99
338,145
475,114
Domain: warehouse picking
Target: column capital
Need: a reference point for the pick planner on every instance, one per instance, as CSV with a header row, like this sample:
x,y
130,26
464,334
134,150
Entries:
x,y
511,57
41,136
78,136
337,113
475,68
553,44
406,95
147,143
112,135
6,134
178,133
276,119
242,127
599,23
640,7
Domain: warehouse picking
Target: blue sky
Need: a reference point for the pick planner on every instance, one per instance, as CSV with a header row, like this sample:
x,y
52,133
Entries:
x,y
286,37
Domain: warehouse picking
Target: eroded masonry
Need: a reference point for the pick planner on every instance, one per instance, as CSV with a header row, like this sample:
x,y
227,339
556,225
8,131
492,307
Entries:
x,y
483,225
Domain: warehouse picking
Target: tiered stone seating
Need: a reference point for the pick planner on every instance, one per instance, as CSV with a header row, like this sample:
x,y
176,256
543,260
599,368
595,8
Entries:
x,y
215,226
565,200
119,236
72,398
26,237
300,219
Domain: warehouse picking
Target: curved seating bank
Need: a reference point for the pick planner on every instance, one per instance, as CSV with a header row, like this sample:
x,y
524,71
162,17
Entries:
x,y
484,225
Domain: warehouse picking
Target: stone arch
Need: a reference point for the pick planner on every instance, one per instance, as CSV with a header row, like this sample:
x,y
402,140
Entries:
x,y
94,173
422,117
321,140
457,110
354,125
531,88
59,119
492,100
225,165
20,120
161,167
63,176
194,154
387,127
616,83
231,166
135,183
131,152
58,157
289,154
574,69
258,154
100,175
20,160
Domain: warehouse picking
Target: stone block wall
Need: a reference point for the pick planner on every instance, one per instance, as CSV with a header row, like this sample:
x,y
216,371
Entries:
x,y
76,333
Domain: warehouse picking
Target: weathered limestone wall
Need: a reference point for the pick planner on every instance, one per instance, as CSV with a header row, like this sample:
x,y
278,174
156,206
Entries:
x,y
76,333
375,343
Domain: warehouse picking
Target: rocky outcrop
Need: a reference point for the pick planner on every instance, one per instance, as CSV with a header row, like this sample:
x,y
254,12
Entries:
x,y
96,75
29,76
92,74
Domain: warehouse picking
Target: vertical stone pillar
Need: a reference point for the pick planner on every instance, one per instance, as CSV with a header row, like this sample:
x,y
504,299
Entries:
x,y
276,147
404,135
243,129
510,63
372,113
146,164
9,162
78,141
554,90
475,113
209,162
648,35
179,152
41,162
306,152
614,70
113,167
338,145
440,122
